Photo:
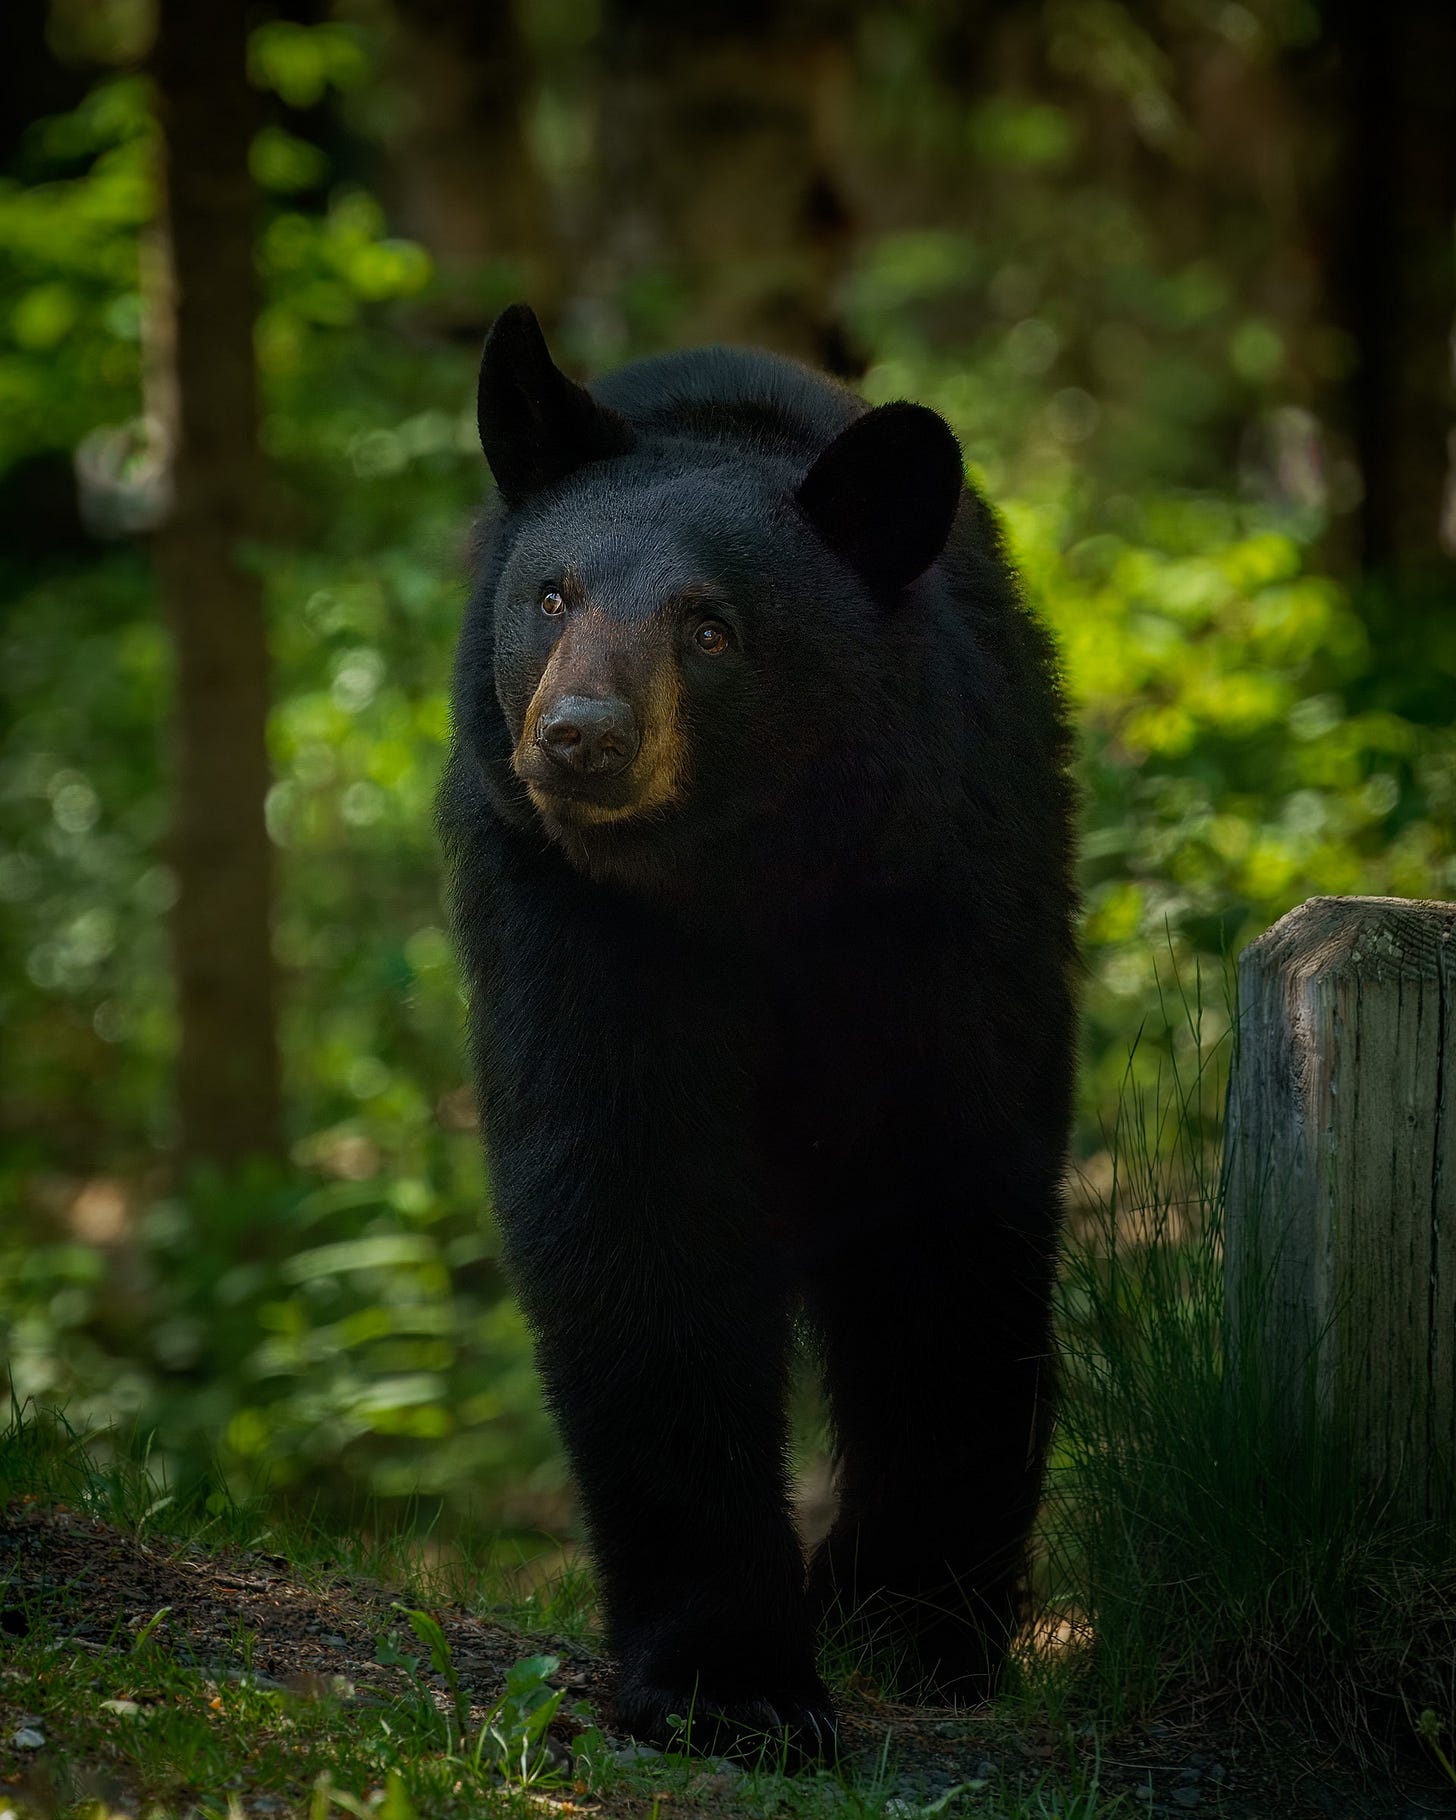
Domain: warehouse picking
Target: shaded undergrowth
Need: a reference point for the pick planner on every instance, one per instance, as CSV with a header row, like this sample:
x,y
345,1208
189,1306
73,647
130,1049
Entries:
x,y
126,1689
1199,1563
1202,1555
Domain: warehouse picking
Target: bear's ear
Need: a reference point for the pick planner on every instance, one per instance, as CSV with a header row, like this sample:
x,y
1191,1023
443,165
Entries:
x,y
536,427
884,493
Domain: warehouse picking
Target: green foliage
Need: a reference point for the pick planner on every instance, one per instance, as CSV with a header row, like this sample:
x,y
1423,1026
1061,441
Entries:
x,y
427,1628
513,1738
302,63
353,1326
512,1741
70,303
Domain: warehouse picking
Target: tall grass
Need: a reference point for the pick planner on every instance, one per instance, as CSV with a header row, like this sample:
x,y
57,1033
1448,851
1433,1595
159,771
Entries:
x,y
1200,1553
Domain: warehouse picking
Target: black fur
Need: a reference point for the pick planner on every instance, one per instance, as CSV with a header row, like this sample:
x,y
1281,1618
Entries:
x,y
798,1040
885,492
535,425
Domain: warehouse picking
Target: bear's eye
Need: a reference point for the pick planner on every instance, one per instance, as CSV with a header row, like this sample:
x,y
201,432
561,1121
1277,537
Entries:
x,y
552,602
711,638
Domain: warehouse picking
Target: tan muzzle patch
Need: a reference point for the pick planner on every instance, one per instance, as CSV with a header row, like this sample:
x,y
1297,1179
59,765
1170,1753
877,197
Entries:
x,y
596,652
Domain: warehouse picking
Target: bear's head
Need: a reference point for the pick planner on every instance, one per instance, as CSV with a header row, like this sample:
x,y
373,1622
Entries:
x,y
688,635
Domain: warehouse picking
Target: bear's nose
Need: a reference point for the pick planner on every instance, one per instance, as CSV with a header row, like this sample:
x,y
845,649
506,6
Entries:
x,y
595,735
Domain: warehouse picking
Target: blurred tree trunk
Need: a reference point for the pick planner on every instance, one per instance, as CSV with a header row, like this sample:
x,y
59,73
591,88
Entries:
x,y
228,1091
720,128
1394,207
460,177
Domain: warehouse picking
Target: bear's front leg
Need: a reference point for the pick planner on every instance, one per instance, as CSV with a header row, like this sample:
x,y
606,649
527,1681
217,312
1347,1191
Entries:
x,y
663,1345
665,1367
937,1349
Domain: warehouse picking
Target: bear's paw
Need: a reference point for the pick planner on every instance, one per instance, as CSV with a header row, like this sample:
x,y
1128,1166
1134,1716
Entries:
x,y
794,1723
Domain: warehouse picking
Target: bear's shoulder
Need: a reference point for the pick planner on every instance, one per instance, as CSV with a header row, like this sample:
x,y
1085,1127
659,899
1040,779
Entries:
x,y
732,395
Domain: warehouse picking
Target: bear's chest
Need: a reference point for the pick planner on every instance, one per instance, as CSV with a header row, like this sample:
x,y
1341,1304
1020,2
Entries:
x,y
854,1073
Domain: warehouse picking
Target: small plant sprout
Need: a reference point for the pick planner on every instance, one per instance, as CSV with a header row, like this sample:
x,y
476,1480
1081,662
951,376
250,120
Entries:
x,y
1429,1727
429,1631
513,1737
145,1634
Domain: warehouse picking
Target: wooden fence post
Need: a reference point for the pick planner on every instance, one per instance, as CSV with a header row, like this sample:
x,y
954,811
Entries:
x,y
1340,1221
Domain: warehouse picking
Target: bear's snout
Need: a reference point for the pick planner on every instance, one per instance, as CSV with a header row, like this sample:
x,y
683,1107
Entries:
x,y
594,736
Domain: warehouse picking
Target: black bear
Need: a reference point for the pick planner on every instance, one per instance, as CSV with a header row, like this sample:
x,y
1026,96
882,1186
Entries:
x,y
758,820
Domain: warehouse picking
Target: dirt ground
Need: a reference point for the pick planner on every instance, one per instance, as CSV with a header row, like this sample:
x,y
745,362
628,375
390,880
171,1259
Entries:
x,y
103,1586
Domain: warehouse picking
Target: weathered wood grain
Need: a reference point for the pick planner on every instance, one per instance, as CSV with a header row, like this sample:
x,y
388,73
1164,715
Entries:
x,y
1340,1222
